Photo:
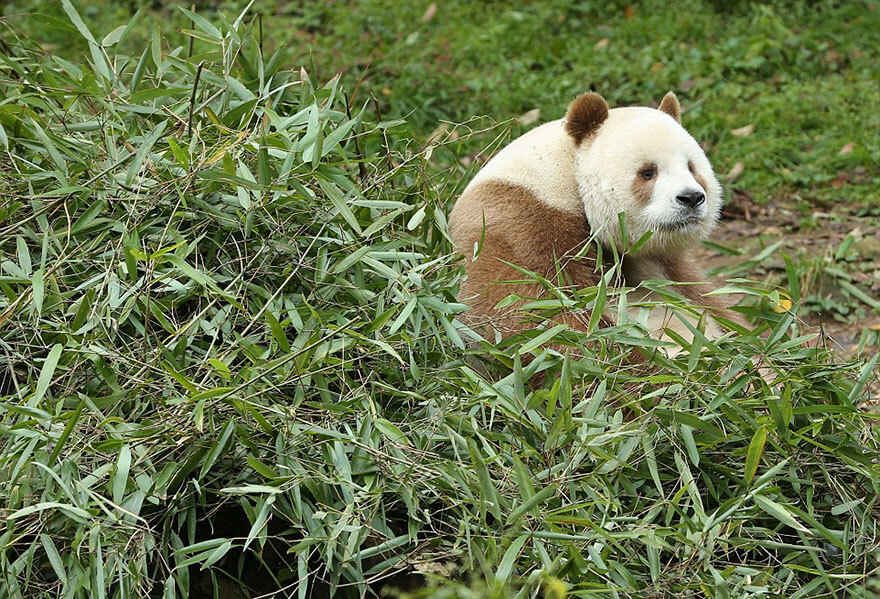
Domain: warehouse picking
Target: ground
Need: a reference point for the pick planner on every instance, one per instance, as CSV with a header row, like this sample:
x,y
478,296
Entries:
x,y
814,243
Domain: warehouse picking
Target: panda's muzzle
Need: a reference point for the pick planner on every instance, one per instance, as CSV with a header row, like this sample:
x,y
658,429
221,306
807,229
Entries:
x,y
691,199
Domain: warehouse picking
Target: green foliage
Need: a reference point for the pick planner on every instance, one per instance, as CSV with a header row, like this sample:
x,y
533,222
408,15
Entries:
x,y
230,364
802,73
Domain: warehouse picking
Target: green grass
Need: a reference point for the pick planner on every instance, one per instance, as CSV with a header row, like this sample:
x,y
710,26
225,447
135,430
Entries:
x,y
229,359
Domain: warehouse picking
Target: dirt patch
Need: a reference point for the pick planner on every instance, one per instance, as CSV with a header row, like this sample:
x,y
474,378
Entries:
x,y
836,250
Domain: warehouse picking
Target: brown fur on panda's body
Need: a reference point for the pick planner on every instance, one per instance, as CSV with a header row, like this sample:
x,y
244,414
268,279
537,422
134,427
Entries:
x,y
532,208
511,214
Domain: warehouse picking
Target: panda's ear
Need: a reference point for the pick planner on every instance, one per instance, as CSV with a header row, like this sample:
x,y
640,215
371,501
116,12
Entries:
x,y
585,115
669,105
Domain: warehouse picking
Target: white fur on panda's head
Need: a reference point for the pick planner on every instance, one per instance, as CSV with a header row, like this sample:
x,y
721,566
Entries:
x,y
642,162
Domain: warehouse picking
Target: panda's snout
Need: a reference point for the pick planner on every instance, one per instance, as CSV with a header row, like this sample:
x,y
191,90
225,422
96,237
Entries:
x,y
691,198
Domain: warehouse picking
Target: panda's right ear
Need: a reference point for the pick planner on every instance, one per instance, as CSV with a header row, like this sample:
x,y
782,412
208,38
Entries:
x,y
585,115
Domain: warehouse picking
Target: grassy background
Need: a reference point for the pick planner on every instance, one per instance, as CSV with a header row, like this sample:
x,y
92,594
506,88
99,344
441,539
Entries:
x,y
229,360
802,73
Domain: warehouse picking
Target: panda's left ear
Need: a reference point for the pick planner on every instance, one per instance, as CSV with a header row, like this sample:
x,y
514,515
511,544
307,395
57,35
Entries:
x,y
669,105
585,115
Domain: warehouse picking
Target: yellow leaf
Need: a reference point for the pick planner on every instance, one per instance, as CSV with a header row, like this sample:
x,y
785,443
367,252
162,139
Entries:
x,y
735,172
784,304
555,588
216,156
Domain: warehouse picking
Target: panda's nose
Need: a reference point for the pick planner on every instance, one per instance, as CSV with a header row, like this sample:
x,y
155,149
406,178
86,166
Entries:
x,y
691,199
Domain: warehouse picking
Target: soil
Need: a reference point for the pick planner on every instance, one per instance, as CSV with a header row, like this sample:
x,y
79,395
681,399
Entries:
x,y
812,239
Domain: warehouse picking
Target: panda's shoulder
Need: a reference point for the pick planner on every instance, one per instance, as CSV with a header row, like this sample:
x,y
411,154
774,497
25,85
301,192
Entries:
x,y
531,151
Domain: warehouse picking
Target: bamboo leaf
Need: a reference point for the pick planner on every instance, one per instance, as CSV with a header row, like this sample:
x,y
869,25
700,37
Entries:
x,y
753,455
46,373
505,568
77,21
143,150
120,477
779,512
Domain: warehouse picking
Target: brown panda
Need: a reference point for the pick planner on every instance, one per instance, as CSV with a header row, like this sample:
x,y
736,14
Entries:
x,y
539,201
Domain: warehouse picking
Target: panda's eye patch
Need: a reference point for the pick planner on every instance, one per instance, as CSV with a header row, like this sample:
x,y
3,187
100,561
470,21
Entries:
x,y
648,172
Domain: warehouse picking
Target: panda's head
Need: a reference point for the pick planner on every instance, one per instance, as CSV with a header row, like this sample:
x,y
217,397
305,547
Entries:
x,y
641,161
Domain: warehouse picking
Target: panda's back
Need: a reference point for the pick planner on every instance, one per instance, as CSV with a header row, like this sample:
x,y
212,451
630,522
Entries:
x,y
541,161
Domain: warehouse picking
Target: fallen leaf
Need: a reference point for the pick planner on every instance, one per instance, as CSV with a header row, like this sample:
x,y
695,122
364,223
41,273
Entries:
x,y
529,117
840,180
656,67
847,148
743,131
429,14
602,43
833,56
386,91
629,12
735,172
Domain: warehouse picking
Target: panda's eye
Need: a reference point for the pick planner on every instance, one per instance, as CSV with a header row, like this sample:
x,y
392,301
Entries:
x,y
649,172
691,167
